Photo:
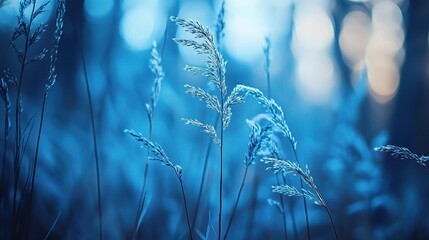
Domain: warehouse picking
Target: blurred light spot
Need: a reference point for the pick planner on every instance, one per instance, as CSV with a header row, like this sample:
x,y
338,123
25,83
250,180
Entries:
x,y
315,81
383,77
386,14
248,21
385,52
204,15
137,26
313,28
355,32
97,9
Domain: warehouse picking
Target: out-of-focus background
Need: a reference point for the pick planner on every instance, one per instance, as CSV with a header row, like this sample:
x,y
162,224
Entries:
x,y
349,75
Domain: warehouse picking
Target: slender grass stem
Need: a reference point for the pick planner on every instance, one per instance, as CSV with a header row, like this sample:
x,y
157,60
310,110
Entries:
x,y
332,222
302,187
203,176
292,214
221,171
143,190
53,225
36,157
236,202
94,138
18,122
282,202
252,210
186,208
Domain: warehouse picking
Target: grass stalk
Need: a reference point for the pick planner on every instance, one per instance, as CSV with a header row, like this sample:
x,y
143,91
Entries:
x,y
186,208
302,187
36,157
18,121
203,176
143,190
282,202
221,170
94,138
243,180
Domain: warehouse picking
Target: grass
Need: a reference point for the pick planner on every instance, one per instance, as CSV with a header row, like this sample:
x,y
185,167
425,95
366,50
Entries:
x,y
61,8
403,153
158,154
262,142
156,68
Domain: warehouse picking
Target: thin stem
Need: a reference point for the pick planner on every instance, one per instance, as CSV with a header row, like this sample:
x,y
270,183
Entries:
x,y
94,137
203,176
292,214
253,205
236,202
53,225
18,121
36,157
186,207
332,222
143,190
282,202
302,187
221,172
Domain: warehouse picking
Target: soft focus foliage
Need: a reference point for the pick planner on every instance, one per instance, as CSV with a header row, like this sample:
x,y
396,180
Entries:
x,y
342,85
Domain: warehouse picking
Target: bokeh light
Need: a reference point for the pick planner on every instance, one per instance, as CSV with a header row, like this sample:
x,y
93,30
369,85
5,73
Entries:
x,y
98,9
137,26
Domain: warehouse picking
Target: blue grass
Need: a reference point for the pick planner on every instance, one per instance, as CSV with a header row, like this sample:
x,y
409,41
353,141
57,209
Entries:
x,y
158,154
403,153
52,77
158,73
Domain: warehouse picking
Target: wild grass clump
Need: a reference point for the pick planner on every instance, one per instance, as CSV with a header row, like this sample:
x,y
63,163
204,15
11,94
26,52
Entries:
x,y
158,154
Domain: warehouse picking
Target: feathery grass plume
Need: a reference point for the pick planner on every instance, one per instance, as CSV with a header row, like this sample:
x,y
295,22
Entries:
x,y
267,55
206,128
288,167
273,109
403,153
52,77
215,70
220,23
258,139
158,72
158,154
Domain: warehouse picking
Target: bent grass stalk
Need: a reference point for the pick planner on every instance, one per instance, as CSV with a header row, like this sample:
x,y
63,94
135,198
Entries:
x,y
156,68
288,167
277,118
159,154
